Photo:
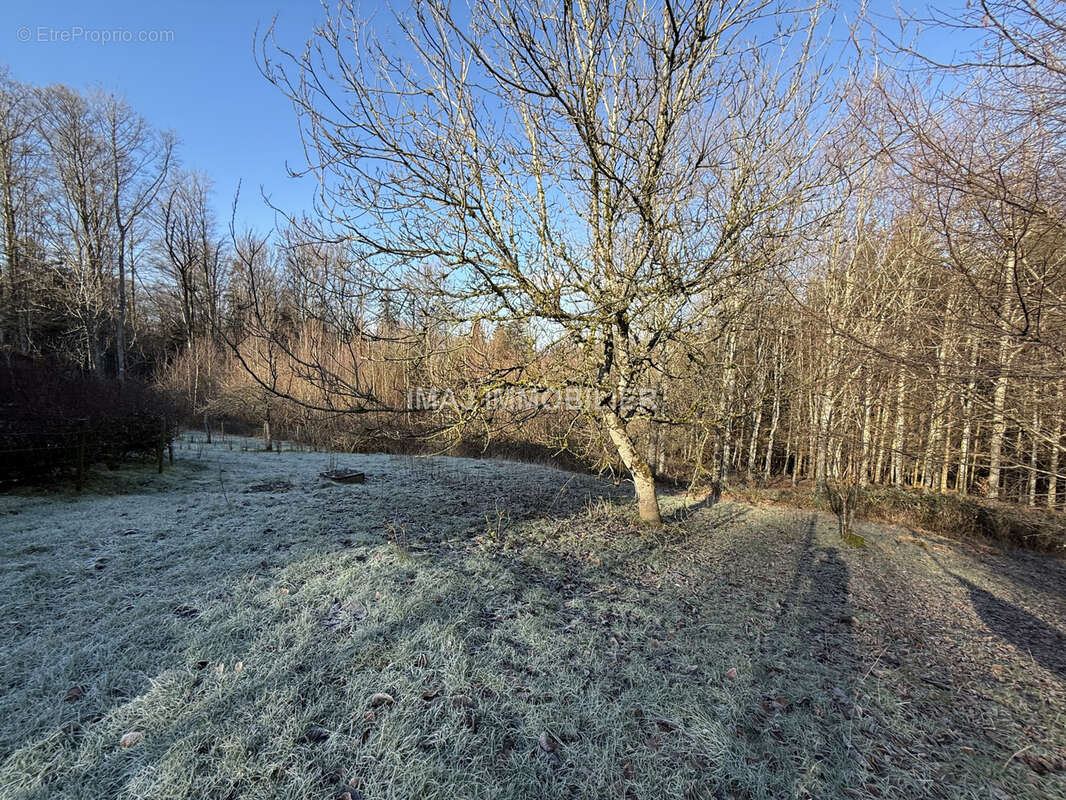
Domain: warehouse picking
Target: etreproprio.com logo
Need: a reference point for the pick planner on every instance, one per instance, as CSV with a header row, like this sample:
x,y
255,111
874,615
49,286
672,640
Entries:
x,y
45,34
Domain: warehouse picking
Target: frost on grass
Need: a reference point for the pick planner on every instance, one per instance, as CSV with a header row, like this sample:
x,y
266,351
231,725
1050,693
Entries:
x,y
486,629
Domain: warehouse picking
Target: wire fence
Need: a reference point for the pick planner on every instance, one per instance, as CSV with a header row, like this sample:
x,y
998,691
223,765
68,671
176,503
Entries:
x,y
79,444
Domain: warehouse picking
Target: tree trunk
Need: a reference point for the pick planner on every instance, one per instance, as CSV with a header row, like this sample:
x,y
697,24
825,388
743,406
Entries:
x,y
775,418
133,285
962,480
999,425
643,480
946,455
1056,441
999,397
726,416
13,299
1034,455
867,433
897,437
753,446
95,352
931,471
756,416
120,316
882,443
792,451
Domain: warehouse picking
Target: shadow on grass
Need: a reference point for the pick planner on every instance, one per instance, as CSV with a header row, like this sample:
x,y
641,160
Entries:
x,y
718,682
1037,571
718,663
1025,632
812,647
685,512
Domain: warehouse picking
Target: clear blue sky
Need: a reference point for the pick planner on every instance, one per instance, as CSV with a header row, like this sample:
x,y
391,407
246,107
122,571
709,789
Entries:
x,y
202,83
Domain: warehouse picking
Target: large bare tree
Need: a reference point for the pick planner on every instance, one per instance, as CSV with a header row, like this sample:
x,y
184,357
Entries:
x,y
19,174
138,160
81,213
192,251
602,171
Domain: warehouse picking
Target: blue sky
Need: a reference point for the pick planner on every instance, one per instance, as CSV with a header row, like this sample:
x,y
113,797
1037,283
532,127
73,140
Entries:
x,y
202,84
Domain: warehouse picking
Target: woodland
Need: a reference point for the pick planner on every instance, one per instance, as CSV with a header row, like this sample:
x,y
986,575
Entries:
x,y
763,244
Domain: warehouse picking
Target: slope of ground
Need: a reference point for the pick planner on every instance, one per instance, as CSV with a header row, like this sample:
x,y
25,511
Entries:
x,y
455,629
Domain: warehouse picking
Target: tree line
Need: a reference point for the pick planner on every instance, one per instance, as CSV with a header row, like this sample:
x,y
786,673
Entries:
x,y
751,243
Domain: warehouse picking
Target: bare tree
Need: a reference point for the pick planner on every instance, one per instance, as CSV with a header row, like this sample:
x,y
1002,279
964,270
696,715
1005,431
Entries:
x,y
19,172
138,161
81,211
192,252
600,171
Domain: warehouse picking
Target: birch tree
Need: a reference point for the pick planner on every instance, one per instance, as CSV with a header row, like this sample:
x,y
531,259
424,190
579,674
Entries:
x,y
138,160
19,172
81,211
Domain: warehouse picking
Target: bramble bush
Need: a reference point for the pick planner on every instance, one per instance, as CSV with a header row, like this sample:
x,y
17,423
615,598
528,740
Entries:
x,y
952,515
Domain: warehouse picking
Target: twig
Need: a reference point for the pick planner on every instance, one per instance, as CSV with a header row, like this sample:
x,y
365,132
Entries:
x,y
223,485
1007,763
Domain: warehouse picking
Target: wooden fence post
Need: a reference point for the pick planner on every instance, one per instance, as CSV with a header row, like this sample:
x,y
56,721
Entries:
x,y
81,455
162,444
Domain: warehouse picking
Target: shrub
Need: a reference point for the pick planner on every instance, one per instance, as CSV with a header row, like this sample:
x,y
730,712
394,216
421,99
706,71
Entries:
x,y
962,517
955,516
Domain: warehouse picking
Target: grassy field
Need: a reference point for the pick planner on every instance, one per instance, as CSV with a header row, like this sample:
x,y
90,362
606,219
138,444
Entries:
x,y
239,628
